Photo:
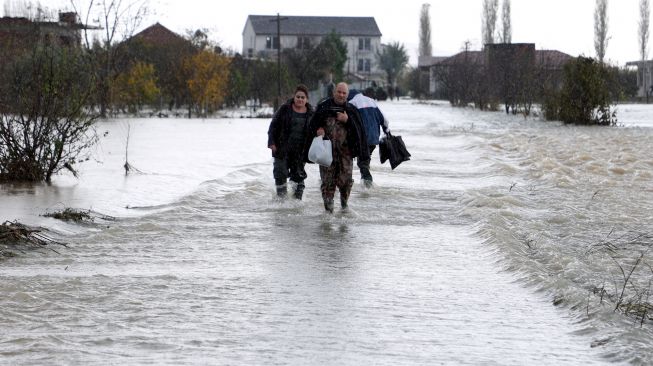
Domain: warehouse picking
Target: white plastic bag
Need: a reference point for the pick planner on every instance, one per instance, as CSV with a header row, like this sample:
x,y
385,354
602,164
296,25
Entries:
x,y
320,152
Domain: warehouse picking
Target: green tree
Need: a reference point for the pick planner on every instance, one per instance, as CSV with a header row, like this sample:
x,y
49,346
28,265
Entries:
x,y
238,86
314,63
584,97
393,59
333,49
137,87
411,81
167,59
45,122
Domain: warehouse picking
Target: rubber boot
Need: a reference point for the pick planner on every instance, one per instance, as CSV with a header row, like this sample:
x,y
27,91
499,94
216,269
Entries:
x,y
344,194
299,192
282,191
366,175
328,205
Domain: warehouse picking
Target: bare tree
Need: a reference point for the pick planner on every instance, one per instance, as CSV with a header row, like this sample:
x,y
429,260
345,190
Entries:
x,y
490,10
506,29
601,29
644,21
118,21
115,18
425,48
644,18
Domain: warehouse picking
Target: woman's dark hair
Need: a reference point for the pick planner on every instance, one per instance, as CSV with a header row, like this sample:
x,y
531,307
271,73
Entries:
x,y
302,88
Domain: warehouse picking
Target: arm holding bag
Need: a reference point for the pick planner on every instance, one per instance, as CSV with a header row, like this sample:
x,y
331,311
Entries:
x,y
320,152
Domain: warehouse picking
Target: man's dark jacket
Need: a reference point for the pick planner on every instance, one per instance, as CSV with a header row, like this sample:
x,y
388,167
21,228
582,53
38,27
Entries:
x,y
356,139
279,130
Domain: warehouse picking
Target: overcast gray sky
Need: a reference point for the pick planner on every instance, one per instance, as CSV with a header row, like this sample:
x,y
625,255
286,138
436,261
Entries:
x,y
565,25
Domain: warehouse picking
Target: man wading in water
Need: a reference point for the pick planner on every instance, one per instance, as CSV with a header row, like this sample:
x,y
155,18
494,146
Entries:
x,y
341,124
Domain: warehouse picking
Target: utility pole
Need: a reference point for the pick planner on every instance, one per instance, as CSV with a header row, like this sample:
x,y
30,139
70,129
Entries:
x,y
278,20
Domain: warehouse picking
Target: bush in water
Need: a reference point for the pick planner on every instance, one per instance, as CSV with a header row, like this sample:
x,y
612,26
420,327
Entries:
x,y
45,122
584,97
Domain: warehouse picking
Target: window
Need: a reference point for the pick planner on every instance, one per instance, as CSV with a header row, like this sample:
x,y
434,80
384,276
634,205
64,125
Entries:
x,y
364,65
272,42
303,43
250,52
364,44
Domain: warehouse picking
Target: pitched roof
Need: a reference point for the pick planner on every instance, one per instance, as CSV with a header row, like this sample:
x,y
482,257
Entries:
x,y
548,58
472,57
315,26
552,58
428,61
158,34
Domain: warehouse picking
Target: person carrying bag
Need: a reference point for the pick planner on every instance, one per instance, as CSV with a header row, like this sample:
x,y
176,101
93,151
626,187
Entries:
x,y
320,152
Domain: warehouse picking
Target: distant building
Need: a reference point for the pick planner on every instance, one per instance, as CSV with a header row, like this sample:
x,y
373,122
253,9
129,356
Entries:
x,y
19,36
425,65
361,35
495,59
22,33
644,77
166,51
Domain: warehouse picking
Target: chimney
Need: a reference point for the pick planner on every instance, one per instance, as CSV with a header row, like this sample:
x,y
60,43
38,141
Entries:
x,y
68,18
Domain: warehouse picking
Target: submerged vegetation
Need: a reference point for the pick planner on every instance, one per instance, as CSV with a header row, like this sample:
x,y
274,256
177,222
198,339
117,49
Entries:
x,y
77,215
16,237
70,214
628,288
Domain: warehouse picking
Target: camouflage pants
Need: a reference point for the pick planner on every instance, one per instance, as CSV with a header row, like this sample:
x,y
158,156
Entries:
x,y
339,174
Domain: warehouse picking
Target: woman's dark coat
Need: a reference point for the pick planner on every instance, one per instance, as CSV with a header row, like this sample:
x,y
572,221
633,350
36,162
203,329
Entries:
x,y
279,130
356,139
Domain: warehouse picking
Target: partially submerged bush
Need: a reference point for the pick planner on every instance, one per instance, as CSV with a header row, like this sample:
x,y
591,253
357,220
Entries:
x,y
15,236
45,122
584,97
71,214
77,215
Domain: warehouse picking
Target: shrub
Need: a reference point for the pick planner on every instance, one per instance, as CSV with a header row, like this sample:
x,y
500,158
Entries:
x,y
584,97
45,123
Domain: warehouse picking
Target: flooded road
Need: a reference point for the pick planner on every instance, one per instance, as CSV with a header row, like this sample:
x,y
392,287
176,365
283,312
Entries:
x,y
477,251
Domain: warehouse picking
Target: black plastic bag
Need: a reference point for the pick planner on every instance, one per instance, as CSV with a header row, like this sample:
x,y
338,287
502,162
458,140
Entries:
x,y
393,148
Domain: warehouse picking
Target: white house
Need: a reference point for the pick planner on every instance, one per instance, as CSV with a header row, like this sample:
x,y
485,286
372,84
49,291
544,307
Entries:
x,y
361,35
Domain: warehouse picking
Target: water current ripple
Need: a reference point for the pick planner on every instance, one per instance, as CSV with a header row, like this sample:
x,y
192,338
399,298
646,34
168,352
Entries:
x,y
482,249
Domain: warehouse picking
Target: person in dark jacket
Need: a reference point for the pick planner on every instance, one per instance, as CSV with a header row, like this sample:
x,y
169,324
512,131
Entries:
x,y
286,138
373,120
341,123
